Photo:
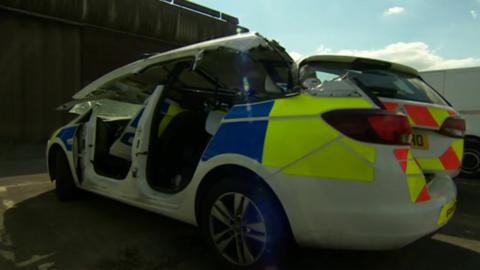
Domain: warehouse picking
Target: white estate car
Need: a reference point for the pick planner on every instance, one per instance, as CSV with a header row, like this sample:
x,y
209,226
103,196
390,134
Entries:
x,y
220,135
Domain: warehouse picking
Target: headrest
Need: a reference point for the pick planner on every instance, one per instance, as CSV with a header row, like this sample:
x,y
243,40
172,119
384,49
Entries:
x,y
214,120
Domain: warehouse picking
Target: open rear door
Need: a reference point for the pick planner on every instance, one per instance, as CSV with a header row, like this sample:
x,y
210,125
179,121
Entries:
x,y
141,140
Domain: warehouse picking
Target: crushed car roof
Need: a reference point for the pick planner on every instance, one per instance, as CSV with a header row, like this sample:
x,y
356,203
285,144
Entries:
x,y
240,42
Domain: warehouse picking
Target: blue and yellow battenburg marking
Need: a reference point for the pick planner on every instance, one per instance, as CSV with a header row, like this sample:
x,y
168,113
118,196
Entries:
x,y
136,120
261,131
129,133
242,137
66,135
168,109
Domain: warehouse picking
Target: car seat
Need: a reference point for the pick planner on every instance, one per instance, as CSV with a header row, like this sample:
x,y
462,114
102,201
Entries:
x,y
179,150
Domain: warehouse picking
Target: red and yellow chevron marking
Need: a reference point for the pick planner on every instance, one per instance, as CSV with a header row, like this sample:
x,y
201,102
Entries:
x,y
450,160
433,117
417,185
426,116
391,106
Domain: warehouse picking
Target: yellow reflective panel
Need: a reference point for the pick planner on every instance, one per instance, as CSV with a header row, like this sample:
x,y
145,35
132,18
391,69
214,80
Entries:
x,y
55,133
173,110
415,186
410,120
334,161
364,150
410,154
457,146
430,163
290,138
438,114
447,211
307,105
287,140
412,167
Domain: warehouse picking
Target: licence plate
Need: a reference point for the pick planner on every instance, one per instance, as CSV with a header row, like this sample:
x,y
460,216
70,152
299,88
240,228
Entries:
x,y
420,141
447,211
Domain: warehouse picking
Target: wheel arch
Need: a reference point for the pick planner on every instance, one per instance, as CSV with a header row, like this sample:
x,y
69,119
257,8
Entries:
x,y
472,138
471,157
217,173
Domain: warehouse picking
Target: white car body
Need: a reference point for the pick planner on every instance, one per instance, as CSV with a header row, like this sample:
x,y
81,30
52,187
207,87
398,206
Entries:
x,y
333,212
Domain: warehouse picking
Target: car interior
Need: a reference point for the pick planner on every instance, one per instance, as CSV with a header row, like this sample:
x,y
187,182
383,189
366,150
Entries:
x,y
201,93
105,163
113,125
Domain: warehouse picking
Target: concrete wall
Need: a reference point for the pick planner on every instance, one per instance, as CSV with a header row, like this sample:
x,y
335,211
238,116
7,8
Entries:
x,y
50,49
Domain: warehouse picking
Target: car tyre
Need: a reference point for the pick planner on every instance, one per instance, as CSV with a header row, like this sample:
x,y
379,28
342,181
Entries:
x,y
244,224
65,187
471,159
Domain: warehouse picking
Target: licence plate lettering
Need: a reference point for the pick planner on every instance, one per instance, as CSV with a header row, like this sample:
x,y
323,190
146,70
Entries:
x,y
420,141
451,210
447,211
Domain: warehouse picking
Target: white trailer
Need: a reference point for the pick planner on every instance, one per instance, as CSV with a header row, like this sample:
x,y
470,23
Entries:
x,y
461,87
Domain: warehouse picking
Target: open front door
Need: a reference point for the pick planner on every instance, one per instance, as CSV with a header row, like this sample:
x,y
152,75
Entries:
x,y
141,140
91,127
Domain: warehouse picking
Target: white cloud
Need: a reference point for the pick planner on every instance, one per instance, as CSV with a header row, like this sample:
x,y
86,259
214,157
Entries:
x,y
394,10
295,55
415,54
473,13
323,50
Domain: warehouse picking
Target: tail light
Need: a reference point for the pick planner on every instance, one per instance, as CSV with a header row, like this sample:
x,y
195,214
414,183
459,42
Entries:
x,y
453,126
374,126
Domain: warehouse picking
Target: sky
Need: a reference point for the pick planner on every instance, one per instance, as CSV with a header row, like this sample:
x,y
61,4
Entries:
x,y
425,34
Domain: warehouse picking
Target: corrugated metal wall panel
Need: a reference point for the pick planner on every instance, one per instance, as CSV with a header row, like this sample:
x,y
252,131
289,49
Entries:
x,y
40,70
122,49
44,60
66,9
135,16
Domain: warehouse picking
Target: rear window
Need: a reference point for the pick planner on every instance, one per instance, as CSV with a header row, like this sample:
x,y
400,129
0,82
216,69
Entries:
x,y
390,85
380,83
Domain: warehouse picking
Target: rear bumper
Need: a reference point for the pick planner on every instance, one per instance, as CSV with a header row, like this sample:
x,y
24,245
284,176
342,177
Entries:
x,y
346,215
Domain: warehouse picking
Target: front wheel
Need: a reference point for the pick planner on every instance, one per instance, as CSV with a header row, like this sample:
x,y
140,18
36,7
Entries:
x,y
244,224
65,187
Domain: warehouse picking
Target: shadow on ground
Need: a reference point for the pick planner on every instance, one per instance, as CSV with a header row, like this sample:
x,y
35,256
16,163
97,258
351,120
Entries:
x,y
466,222
424,254
98,233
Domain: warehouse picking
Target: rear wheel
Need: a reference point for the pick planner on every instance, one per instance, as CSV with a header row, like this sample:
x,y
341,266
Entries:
x,y
471,158
244,224
65,187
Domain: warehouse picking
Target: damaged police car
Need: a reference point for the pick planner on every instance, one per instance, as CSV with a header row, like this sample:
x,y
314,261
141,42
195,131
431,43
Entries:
x,y
220,135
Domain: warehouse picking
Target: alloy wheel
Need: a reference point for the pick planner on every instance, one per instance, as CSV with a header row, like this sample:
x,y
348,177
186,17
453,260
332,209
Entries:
x,y
237,228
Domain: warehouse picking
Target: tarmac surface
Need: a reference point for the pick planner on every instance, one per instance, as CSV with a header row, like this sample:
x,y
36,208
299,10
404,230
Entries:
x,y
39,232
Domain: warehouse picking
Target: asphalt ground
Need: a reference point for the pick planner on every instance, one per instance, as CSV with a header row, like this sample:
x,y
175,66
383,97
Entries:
x,y
38,232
